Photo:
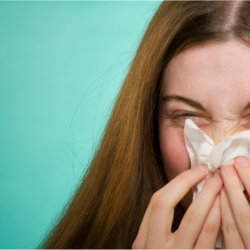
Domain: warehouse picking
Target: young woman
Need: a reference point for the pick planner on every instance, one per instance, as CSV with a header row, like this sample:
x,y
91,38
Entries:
x,y
193,62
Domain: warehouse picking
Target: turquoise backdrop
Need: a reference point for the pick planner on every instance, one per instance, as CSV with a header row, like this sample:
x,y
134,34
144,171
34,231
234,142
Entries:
x,y
61,65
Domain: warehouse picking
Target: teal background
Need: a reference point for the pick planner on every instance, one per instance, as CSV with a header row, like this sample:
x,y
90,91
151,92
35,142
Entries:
x,y
61,66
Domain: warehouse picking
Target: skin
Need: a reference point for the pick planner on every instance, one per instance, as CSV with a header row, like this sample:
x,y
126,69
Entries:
x,y
217,76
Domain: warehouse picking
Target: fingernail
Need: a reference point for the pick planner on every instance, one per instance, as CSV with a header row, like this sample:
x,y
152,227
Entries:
x,y
199,169
217,174
229,170
242,162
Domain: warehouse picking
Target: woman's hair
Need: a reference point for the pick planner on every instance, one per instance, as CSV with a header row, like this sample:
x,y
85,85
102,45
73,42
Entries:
x,y
108,206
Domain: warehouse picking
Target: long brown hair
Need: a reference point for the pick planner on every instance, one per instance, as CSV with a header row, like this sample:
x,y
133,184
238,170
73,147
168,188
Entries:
x,y
107,207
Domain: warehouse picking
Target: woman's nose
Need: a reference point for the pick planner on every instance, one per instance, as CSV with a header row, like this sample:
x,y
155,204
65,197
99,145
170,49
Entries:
x,y
220,133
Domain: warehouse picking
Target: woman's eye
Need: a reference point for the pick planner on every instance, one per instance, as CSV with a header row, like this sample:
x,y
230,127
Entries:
x,y
180,118
175,116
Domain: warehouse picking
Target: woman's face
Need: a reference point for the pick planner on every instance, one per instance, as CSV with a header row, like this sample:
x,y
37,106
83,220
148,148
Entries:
x,y
213,80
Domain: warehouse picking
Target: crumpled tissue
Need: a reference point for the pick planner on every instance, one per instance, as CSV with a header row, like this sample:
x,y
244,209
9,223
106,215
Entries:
x,y
202,150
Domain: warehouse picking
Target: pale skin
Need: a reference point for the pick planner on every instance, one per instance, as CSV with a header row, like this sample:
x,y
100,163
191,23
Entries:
x,y
217,76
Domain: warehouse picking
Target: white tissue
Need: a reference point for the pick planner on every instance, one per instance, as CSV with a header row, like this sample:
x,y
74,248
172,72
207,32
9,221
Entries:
x,y
202,150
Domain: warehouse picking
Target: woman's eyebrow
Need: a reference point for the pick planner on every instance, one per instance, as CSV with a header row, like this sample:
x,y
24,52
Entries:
x,y
186,100
190,102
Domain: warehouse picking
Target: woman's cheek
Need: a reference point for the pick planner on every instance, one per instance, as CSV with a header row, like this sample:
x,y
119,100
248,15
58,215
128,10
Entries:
x,y
174,152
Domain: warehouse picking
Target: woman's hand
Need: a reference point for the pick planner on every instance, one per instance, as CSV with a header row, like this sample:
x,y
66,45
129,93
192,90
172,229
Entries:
x,y
201,223
235,207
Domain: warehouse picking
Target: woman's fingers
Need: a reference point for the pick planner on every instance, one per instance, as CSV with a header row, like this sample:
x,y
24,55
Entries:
x,y
238,202
141,238
196,214
242,166
155,229
163,205
209,233
232,237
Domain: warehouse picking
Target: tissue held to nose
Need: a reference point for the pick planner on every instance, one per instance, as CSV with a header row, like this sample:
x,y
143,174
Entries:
x,y
202,150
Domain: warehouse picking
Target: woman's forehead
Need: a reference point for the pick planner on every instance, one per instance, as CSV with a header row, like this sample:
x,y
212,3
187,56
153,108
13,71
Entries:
x,y
211,73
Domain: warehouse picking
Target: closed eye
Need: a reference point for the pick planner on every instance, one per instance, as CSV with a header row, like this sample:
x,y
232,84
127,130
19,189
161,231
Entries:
x,y
183,114
180,117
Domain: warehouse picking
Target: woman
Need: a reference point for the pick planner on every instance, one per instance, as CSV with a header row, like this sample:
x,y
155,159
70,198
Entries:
x,y
192,63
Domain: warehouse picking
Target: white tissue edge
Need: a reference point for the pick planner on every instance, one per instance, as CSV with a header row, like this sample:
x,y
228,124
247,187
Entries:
x,y
199,186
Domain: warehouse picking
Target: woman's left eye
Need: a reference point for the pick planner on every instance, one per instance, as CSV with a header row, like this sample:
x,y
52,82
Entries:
x,y
180,118
184,114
